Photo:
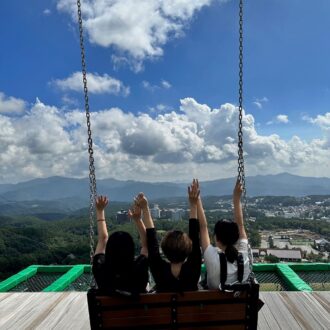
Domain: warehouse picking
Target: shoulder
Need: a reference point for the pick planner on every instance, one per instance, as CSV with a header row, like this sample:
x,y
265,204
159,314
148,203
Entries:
x,y
151,232
141,261
99,259
242,245
211,252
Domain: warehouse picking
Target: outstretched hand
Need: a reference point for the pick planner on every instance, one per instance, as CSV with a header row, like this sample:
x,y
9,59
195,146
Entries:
x,y
135,212
193,192
238,190
101,202
142,201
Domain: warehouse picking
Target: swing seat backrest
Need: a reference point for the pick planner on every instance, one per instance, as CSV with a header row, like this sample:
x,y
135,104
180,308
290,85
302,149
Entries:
x,y
207,309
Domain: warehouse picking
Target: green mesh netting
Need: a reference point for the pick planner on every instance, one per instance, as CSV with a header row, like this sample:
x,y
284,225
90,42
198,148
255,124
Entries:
x,y
80,284
317,280
37,282
270,281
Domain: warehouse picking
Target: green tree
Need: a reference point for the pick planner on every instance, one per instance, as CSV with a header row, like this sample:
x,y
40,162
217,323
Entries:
x,y
272,259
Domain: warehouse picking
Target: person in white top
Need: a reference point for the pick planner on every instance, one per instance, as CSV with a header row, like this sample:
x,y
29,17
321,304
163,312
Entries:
x,y
230,238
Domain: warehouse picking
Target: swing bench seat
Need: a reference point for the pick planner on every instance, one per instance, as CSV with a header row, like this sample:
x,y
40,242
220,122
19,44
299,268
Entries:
x,y
206,309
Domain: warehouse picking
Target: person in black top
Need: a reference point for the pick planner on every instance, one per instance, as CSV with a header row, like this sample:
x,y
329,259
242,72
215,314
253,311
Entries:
x,y
182,272
113,262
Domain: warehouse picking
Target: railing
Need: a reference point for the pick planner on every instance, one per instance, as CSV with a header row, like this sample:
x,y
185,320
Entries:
x,y
272,277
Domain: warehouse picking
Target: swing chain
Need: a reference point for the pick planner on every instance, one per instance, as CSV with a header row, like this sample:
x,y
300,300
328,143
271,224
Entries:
x,y
92,177
241,172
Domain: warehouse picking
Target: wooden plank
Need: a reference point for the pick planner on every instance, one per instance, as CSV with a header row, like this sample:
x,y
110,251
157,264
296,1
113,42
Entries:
x,y
69,313
323,298
317,316
23,308
301,311
283,315
4,296
262,322
33,310
68,310
266,310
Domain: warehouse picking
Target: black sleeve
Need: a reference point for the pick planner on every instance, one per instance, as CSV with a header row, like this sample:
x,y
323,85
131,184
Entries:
x,y
141,270
98,269
195,258
156,262
153,247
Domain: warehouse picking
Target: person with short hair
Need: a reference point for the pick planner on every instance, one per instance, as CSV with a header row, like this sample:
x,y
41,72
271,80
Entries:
x,y
182,270
230,239
114,261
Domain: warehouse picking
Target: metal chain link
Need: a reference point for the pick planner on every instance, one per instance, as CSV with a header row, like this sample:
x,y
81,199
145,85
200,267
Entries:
x,y
241,170
92,177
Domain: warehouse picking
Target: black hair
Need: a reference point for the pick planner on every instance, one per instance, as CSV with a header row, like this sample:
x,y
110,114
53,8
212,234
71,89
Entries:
x,y
176,246
227,233
119,257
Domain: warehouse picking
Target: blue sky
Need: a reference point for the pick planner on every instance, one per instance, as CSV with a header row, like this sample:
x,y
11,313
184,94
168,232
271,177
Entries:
x,y
189,53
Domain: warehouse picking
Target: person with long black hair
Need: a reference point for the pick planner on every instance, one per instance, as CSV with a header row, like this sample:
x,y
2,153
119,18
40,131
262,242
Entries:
x,y
230,240
115,267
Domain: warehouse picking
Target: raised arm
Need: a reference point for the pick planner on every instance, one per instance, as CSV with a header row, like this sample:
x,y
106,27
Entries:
x,y
154,257
193,195
195,257
102,231
238,212
135,214
143,203
204,233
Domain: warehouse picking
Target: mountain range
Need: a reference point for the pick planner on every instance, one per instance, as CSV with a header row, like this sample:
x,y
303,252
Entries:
x,y
69,194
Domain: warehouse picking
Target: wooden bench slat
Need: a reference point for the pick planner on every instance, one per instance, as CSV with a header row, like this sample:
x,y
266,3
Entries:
x,y
190,310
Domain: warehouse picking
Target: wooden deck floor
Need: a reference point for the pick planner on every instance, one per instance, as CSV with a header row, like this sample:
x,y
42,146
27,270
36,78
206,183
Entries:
x,y
68,310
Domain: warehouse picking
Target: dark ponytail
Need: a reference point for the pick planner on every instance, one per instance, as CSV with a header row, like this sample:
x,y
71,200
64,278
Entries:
x,y
231,253
227,233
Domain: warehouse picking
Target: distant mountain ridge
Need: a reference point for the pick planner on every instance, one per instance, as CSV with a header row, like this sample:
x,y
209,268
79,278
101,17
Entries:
x,y
77,190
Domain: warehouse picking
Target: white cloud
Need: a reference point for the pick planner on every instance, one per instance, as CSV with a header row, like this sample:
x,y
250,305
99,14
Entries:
x,y
122,61
153,87
166,84
260,102
69,101
160,108
279,119
321,120
195,141
148,86
47,12
137,29
97,84
11,105
282,119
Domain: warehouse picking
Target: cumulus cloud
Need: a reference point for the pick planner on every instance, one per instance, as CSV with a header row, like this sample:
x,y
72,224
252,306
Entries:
x,y
137,29
11,105
279,119
97,84
195,140
321,120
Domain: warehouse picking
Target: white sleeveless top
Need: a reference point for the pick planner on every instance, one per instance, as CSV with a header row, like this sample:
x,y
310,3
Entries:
x,y
212,263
